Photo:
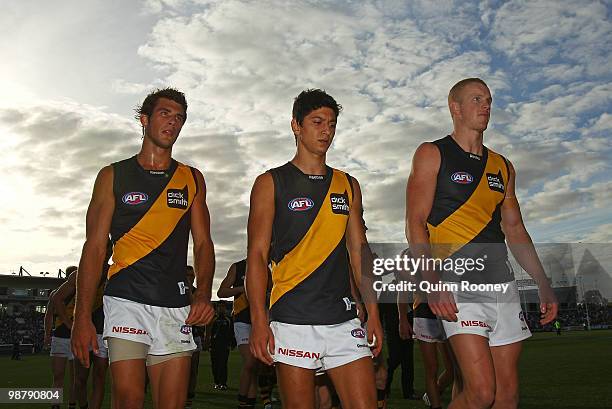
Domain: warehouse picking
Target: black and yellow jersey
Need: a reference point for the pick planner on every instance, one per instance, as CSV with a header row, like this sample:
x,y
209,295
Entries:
x,y
60,329
465,219
241,310
150,233
310,267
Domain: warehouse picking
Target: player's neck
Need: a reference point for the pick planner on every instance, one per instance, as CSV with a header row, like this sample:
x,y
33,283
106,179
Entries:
x,y
310,164
154,158
469,140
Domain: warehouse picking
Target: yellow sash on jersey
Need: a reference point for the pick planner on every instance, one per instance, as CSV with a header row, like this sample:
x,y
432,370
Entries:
x,y
240,304
323,236
465,223
155,226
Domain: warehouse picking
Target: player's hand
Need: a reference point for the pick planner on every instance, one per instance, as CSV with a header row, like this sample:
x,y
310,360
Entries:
x,y
375,335
82,338
549,306
201,312
261,343
405,330
442,303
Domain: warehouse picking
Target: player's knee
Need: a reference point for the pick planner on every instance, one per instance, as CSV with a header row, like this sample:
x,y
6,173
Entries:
x,y
130,403
480,395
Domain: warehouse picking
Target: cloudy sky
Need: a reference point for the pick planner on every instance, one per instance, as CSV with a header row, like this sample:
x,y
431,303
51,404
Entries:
x,y
73,71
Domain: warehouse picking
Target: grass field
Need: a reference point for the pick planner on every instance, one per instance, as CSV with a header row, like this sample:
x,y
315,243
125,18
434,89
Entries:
x,y
562,372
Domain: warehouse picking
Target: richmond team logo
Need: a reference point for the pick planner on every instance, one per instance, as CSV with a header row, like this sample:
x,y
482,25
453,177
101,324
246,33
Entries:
x,y
134,198
463,178
178,198
339,203
300,204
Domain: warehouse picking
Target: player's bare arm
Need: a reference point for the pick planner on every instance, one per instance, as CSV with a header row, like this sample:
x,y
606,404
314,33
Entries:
x,y
522,248
202,311
420,192
98,222
261,217
405,329
357,244
226,290
59,297
49,311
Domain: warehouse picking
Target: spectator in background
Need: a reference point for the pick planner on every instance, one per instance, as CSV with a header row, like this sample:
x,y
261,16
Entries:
x,y
221,338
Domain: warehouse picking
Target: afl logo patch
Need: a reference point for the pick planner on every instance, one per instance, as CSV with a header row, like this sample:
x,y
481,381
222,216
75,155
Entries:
x,y
463,178
134,198
186,329
358,333
300,204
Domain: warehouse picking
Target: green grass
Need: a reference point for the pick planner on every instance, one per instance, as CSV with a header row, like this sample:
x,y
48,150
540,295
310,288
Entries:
x,y
567,372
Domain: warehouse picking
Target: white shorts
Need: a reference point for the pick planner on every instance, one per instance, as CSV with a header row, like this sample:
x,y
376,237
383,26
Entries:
x,y
319,346
162,329
494,315
60,347
242,332
102,349
428,330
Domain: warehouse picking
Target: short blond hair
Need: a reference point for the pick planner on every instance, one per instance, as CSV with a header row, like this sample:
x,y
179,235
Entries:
x,y
455,91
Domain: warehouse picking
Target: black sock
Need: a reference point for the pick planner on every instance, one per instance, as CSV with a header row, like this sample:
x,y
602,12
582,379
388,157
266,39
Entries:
x,y
381,395
242,401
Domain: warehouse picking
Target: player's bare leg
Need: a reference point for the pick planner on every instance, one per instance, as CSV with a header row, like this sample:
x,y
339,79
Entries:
x,y
81,374
429,353
98,381
248,373
354,383
128,383
505,360
297,386
473,355
169,381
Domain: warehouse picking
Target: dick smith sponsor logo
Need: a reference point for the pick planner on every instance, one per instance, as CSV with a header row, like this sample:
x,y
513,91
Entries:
x,y
339,203
134,198
178,198
496,182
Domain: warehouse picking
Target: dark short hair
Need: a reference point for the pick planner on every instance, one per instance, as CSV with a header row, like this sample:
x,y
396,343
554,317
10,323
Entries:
x,y
70,270
149,103
312,99
455,91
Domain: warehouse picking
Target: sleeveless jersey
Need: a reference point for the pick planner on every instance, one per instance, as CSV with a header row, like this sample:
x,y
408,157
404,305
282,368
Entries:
x,y
150,233
310,270
241,311
465,219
